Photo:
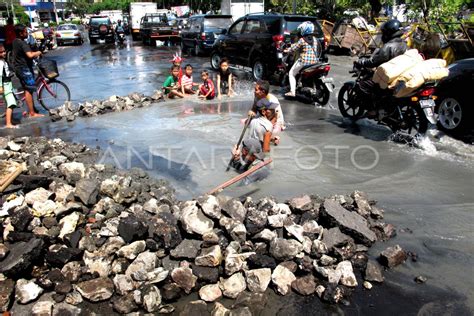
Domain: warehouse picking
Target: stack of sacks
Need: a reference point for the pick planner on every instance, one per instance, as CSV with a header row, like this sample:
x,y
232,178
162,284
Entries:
x,y
415,77
389,71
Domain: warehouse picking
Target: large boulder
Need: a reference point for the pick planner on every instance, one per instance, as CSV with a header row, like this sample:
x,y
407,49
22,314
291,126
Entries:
x,y
349,222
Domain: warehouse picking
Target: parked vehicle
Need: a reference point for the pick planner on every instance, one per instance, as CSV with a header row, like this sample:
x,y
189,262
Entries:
x,y
70,33
137,12
201,31
101,28
312,83
454,103
255,39
159,26
410,114
239,8
114,15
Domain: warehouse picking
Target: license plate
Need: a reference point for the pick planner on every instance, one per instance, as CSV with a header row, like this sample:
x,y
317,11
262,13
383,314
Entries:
x,y
67,33
428,111
427,103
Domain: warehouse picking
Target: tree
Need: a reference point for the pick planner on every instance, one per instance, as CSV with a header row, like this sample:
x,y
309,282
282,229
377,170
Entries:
x,y
78,7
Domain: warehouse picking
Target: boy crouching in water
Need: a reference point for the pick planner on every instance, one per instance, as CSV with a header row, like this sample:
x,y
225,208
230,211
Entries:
x,y
171,86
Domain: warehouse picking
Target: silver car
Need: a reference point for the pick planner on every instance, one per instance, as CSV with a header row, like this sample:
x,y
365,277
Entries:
x,y
70,33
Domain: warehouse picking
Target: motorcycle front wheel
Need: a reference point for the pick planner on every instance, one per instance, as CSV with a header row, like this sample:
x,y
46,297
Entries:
x,y
348,105
414,120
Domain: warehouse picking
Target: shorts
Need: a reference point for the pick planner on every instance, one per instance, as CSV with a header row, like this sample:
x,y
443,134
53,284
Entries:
x,y
8,95
27,79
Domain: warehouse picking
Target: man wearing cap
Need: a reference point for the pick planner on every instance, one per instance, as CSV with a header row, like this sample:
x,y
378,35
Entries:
x,y
261,127
262,91
249,156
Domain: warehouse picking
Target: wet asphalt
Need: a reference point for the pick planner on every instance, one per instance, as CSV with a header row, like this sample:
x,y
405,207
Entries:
x,y
426,191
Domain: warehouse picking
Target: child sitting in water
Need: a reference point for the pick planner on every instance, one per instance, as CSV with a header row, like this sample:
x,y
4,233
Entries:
x,y
206,89
171,85
224,79
186,82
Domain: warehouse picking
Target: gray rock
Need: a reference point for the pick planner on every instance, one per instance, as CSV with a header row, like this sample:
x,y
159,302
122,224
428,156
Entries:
x,y
27,291
210,206
347,274
194,221
373,272
14,146
350,222
21,257
151,298
305,285
219,310
46,208
96,290
195,308
187,249
233,286
301,203
235,262
242,311
235,209
125,304
68,224
73,171
239,233
171,292
123,284
64,309
44,308
131,228
258,279
184,278
283,249
296,231
265,235
157,275
209,257
206,274
3,251
166,309
165,230
6,291
277,220
393,256
255,221
37,195
210,293
282,278
133,250
361,202
74,298
145,262
87,191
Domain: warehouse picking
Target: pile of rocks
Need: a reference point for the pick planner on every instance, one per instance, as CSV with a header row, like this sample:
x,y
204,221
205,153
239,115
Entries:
x,y
114,104
88,233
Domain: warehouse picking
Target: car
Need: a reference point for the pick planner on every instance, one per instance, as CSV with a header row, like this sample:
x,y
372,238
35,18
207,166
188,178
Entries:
x,y
255,40
454,103
159,26
101,28
201,31
70,33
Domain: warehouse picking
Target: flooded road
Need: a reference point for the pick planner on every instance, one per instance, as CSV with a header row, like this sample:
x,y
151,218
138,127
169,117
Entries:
x,y
427,192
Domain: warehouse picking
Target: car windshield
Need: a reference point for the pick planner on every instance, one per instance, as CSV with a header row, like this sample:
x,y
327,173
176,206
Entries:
x,y
292,25
218,23
67,28
157,19
98,21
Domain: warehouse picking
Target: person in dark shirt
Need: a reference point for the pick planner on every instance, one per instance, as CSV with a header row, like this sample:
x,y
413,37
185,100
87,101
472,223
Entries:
x,y
248,157
23,65
224,79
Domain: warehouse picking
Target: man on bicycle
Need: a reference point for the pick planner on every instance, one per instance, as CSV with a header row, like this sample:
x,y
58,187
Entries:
x,y
23,64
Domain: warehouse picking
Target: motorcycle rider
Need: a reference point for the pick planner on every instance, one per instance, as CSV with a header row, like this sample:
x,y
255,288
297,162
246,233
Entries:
x,y
119,29
307,45
393,46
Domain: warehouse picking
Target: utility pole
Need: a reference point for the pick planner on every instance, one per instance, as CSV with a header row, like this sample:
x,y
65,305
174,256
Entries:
x,y
55,12
294,6
13,10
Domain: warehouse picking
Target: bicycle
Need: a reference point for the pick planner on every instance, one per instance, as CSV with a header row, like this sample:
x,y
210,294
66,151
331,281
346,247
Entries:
x,y
50,92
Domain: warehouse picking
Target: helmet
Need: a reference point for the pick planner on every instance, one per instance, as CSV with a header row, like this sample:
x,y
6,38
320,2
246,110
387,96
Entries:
x,y
305,28
390,29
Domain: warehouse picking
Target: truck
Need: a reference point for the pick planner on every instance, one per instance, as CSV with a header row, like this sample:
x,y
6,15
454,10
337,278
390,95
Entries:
x,y
159,26
137,12
239,8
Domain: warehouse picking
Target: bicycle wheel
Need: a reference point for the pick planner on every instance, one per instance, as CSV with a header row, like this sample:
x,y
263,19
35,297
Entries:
x,y
53,94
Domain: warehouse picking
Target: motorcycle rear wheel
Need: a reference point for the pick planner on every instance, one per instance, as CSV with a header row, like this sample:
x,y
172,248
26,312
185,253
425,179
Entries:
x,y
414,120
322,95
347,103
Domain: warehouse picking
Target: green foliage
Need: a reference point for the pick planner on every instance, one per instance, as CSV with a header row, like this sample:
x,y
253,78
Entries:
x,y
78,7
437,10
123,5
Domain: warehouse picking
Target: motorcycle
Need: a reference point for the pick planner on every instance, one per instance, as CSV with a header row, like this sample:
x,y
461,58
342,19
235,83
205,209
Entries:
x,y
410,114
312,83
120,37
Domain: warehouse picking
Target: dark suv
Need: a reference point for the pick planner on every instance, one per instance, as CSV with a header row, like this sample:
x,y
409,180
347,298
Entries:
x,y
100,27
201,31
254,40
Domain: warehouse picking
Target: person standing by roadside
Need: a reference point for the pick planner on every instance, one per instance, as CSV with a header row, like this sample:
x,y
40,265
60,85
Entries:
x,y
23,64
9,34
6,88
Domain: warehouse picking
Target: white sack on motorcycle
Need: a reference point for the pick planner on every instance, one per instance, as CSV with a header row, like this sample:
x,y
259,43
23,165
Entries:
x,y
389,71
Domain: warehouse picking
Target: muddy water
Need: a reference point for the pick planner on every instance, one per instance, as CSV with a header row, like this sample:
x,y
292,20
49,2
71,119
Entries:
x,y
427,192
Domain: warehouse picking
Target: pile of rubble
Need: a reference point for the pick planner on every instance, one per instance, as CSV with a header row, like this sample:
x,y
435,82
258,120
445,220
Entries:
x,y
114,104
89,233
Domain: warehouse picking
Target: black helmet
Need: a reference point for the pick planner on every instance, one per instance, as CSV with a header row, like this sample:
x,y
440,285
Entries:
x,y
391,29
